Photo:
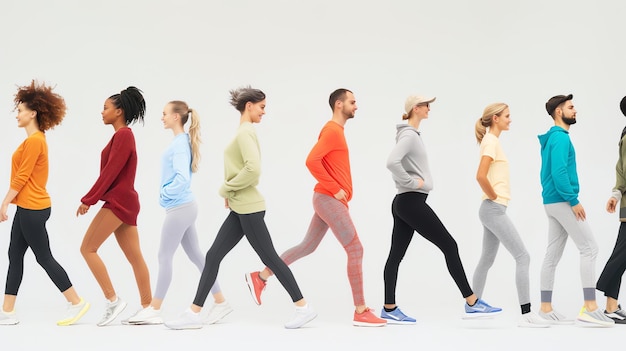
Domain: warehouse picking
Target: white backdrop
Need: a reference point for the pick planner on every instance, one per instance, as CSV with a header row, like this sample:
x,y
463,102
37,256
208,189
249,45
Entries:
x,y
467,54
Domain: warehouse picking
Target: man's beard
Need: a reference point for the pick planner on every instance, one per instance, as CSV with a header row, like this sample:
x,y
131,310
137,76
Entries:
x,y
569,120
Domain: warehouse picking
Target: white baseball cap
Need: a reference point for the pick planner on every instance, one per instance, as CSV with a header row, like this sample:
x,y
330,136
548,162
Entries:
x,y
415,100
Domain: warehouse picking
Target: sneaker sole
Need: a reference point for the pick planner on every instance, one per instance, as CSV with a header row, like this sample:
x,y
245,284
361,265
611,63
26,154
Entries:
x,y
192,326
80,314
113,316
251,288
305,321
9,322
219,317
478,315
393,321
593,323
151,321
366,324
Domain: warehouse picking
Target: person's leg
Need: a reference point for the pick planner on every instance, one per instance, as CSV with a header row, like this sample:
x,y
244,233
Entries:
x,y
101,227
229,234
487,257
414,210
17,250
494,218
401,236
557,238
128,239
610,279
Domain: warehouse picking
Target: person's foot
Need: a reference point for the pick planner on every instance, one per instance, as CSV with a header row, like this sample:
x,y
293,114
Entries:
x,y
74,313
8,318
113,309
618,316
302,316
367,319
396,316
555,318
256,286
481,309
145,316
532,320
217,312
594,318
187,320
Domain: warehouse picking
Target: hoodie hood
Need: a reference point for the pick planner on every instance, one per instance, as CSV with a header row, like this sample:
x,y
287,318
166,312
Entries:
x,y
543,138
404,128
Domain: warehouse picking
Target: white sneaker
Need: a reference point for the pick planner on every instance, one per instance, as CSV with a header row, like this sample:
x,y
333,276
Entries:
x,y
74,313
217,312
303,316
532,320
113,309
145,316
8,318
187,320
555,318
594,318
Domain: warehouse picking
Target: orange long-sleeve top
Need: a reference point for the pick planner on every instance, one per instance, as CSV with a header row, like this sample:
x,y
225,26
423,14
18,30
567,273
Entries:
x,y
329,162
29,173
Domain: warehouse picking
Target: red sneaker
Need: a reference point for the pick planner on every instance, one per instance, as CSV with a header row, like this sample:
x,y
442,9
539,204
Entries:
x,y
256,286
367,319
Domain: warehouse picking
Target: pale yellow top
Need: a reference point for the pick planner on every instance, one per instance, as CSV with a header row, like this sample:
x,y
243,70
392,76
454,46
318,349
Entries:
x,y
498,174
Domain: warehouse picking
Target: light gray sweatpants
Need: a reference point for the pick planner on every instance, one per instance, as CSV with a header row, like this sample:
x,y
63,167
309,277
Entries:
x,y
498,228
562,223
179,228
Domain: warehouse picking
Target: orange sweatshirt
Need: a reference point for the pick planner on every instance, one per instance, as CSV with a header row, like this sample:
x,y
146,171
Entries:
x,y
329,162
29,173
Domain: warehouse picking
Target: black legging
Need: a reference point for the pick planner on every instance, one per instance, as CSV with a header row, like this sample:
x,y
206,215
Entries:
x,y
611,277
412,213
233,229
29,230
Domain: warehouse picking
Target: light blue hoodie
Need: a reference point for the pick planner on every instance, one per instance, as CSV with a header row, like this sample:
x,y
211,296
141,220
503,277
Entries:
x,y
559,178
176,173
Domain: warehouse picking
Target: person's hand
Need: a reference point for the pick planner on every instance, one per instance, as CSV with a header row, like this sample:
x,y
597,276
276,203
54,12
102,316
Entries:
x,y
226,203
341,195
82,209
420,182
3,212
579,211
611,204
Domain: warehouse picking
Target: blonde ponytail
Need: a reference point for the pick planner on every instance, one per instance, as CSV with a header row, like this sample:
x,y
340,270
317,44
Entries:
x,y
194,135
486,120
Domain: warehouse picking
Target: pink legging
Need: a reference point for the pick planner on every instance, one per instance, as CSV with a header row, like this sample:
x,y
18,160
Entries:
x,y
103,224
330,212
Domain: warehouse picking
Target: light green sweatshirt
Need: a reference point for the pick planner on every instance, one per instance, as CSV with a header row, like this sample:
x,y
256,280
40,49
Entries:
x,y
619,192
242,169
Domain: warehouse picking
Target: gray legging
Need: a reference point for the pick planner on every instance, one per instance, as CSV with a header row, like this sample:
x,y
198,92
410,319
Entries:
x,y
498,228
563,223
179,228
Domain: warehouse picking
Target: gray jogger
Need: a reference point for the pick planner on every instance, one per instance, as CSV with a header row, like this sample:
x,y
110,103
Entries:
x,y
563,223
179,228
498,228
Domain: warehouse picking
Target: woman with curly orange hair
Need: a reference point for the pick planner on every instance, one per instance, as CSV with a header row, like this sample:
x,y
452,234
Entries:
x,y
38,109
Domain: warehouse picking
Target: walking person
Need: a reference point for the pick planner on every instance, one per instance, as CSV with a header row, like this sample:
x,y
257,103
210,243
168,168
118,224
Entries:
x,y
38,110
178,162
566,215
408,163
242,170
610,279
493,178
329,164
116,187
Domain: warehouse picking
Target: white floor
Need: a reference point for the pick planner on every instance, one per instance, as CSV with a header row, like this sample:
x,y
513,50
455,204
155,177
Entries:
x,y
263,331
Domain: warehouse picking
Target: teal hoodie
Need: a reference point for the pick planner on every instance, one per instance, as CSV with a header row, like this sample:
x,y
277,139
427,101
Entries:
x,y
558,167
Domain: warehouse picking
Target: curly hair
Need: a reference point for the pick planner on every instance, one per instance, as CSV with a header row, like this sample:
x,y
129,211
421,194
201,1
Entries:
x,y
50,106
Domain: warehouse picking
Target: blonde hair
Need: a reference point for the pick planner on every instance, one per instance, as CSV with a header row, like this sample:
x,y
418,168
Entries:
x,y
185,112
486,120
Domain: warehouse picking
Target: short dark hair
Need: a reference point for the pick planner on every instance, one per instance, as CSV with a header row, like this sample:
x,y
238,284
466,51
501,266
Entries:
x,y
555,102
337,95
132,103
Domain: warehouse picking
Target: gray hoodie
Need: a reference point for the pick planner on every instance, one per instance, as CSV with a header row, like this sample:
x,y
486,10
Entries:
x,y
408,161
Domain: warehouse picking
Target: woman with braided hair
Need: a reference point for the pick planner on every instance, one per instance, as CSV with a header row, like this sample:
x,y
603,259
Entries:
x,y
116,187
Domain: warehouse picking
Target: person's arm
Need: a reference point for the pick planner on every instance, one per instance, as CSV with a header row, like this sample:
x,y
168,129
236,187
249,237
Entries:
x,y
620,179
327,142
122,145
394,163
251,170
32,149
481,177
181,161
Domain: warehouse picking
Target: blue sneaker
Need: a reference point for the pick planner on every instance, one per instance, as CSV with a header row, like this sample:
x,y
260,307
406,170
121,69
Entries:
x,y
396,317
481,309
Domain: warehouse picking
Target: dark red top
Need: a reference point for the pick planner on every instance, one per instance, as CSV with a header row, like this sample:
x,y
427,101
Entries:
x,y
116,183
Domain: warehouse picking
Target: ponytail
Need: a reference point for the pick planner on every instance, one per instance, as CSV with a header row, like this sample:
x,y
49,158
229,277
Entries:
x,y
194,136
131,101
480,130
